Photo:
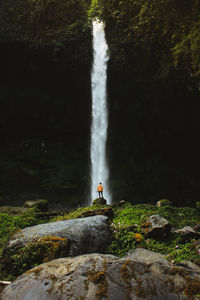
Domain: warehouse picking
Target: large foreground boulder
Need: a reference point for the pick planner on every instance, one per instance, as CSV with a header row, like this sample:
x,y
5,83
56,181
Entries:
x,y
84,235
141,275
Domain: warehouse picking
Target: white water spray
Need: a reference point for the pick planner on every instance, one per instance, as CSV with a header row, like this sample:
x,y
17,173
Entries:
x,y
99,168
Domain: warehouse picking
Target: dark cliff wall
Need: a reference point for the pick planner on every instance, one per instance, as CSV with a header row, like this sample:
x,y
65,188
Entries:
x,y
153,84
45,58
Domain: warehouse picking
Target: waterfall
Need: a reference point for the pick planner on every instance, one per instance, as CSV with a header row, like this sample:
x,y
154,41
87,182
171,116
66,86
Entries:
x,y
99,168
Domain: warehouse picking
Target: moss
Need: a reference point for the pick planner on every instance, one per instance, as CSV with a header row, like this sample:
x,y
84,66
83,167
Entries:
x,y
198,204
163,202
127,271
82,212
129,221
99,278
38,251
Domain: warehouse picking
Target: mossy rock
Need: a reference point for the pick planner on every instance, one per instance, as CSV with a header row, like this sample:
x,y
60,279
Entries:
x,y
106,211
163,202
198,204
13,210
101,201
36,252
40,204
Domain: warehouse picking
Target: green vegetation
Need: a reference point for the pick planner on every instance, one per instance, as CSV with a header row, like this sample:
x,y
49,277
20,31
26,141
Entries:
x,y
171,39
38,251
127,235
127,232
43,23
127,222
9,225
77,213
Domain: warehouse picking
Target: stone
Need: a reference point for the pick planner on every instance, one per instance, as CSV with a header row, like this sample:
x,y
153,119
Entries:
x,y
122,202
196,227
140,275
13,210
163,202
85,235
41,204
186,234
101,201
106,211
198,204
156,227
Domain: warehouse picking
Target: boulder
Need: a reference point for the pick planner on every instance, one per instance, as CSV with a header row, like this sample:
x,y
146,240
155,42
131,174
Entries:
x,y
140,275
101,201
163,202
198,204
156,227
13,210
106,211
186,233
40,204
122,202
84,235
196,227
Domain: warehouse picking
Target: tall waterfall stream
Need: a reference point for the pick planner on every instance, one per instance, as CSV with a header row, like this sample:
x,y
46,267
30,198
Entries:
x,y
99,167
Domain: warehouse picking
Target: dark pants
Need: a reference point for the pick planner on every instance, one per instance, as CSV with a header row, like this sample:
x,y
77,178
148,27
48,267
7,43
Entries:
x,y
100,194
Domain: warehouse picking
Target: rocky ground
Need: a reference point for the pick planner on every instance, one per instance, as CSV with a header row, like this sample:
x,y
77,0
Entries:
x,y
120,252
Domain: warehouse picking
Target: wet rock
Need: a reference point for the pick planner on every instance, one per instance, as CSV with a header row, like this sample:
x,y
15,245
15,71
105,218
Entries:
x,y
101,201
140,275
163,202
41,204
85,235
156,227
186,233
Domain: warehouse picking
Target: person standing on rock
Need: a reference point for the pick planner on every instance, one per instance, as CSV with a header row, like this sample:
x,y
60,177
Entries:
x,y
100,190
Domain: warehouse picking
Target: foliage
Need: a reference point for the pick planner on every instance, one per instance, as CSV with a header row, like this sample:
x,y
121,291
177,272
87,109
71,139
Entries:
x,y
39,250
127,235
124,241
7,227
127,223
183,252
45,22
170,39
10,224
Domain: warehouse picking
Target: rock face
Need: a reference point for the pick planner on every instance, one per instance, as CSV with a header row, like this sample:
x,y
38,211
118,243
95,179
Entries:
x,y
156,227
85,235
141,275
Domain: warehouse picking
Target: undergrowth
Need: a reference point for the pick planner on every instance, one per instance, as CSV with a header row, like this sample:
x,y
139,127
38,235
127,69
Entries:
x,y
127,222
126,228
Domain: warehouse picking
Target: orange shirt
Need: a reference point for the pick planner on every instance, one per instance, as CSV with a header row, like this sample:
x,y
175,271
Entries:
x,y
100,188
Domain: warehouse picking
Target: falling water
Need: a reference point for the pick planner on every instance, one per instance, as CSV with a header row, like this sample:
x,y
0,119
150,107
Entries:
x,y
99,168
